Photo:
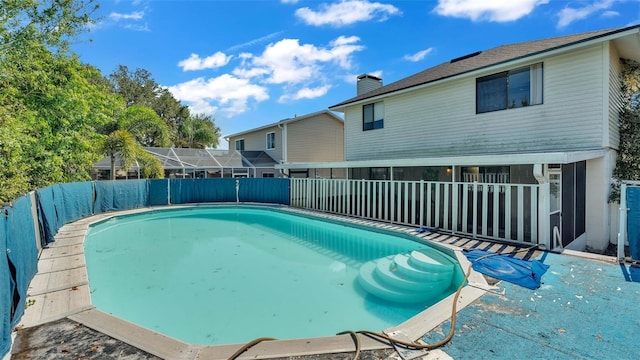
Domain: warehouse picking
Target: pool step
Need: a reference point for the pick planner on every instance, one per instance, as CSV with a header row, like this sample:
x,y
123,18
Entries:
x,y
419,276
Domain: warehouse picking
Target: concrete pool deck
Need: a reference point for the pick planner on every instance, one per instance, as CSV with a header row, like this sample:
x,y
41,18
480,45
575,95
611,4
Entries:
x,y
586,308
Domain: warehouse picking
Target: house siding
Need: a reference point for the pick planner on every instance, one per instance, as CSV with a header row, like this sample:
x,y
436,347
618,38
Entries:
x,y
442,120
320,138
257,141
615,98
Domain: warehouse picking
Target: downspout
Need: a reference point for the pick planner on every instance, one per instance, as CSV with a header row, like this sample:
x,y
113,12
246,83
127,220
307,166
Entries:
x,y
540,172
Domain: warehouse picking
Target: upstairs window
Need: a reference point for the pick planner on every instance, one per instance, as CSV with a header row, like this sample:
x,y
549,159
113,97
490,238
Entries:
x,y
373,116
240,144
271,141
510,89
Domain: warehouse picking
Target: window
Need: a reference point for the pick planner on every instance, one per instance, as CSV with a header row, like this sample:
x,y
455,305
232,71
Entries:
x,y
267,175
373,116
271,141
510,89
240,144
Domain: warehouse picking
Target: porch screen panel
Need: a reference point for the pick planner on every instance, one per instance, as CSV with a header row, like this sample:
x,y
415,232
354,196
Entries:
x,y
581,194
568,201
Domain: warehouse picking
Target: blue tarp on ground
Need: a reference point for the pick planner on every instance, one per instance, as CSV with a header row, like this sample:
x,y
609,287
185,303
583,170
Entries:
x,y
517,271
264,190
633,221
158,192
184,191
120,195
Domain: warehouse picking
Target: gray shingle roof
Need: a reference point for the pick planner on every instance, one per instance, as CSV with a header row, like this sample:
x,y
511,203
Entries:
x,y
483,59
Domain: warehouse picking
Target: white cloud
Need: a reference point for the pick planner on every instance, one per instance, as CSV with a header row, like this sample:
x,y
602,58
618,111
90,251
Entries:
x,y
254,41
306,93
231,94
136,15
135,27
419,55
346,12
610,13
569,15
194,62
487,10
289,62
299,71
289,1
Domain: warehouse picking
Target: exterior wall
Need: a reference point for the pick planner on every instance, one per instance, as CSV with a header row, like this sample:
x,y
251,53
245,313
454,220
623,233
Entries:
x,y
598,219
257,141
442,120
316,139
615,99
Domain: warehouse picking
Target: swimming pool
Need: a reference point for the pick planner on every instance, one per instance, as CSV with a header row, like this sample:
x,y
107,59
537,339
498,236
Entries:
x,y
229,274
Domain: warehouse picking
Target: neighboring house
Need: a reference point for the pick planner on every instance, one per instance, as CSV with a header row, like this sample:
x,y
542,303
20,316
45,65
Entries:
x,y
315,137
538,112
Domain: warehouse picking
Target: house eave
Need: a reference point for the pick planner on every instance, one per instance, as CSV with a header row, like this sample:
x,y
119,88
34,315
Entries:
x,y
461,160
285,121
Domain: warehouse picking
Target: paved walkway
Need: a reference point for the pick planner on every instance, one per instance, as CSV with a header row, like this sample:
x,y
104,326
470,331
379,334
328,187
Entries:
x,y
585,309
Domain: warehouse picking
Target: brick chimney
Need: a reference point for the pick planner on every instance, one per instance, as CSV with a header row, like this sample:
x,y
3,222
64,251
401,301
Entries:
x,y
367,82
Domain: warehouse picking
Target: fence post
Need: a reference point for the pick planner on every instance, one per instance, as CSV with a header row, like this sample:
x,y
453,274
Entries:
x,y
622,231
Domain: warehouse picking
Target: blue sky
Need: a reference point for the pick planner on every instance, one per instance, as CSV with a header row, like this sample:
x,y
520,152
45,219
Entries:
x,y
252,63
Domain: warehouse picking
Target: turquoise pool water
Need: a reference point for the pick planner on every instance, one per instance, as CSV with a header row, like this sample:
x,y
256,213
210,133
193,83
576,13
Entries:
x,y
230,274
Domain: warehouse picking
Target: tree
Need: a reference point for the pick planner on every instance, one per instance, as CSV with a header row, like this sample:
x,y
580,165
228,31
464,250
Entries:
x,y
628,160
199,131
146,126
139,88
51,23
50,103
121,143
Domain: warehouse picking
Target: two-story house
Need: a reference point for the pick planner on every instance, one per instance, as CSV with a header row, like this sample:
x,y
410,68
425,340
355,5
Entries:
x,y
537,112
314,137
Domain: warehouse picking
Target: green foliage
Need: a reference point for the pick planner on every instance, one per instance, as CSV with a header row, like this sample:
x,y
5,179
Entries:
x,y
51,23
139,88
199,131
150,166
50,103
146,126
628,160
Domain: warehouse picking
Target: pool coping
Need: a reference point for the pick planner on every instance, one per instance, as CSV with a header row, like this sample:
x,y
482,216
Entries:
x,y
60,289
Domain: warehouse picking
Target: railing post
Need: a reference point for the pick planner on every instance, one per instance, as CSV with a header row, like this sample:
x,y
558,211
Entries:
x,y
475,209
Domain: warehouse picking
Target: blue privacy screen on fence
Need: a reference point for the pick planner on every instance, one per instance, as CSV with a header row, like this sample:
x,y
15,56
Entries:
x,y
184,191
158,192
5,296
18,266
22,249
633,221
269,190
120,195
63,203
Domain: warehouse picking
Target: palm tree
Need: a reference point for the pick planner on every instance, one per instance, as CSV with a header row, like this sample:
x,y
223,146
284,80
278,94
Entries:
x,y
199,132
121,142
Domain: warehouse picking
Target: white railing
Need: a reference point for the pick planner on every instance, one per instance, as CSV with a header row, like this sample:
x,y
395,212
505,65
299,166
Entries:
x,y
506,212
